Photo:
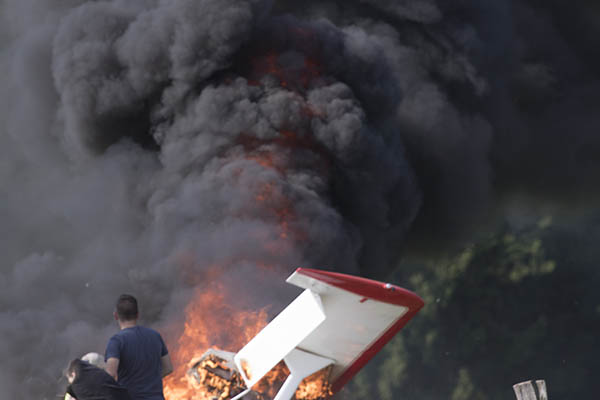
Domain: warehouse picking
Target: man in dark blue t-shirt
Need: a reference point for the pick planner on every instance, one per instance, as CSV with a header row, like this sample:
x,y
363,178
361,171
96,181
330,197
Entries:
x,y
137,356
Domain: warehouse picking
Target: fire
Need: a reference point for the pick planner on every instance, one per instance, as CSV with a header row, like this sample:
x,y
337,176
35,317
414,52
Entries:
x,y
272,381
216,377
246,369
281,210
210,321
316,386
269,195
297,76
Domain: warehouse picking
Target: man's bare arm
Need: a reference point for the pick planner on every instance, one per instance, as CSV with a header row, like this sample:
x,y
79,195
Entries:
x,y
167,366
112,366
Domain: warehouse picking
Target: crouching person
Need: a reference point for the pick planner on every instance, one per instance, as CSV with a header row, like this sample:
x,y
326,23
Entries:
x,y
89,382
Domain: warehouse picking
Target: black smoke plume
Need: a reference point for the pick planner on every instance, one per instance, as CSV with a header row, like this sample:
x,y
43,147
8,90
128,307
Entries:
x,y
253,135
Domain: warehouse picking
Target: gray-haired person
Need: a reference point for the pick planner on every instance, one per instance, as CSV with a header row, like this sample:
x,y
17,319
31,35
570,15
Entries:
x,y
88,381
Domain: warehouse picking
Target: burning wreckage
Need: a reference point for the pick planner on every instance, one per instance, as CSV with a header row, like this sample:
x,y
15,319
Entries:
x,y
319,341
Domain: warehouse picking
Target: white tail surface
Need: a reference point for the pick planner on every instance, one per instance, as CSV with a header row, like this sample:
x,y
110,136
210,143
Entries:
x,y
280,337
339,320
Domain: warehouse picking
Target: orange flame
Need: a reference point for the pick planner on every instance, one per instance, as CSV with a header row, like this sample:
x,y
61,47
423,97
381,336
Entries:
x,y
297,77
316,386
210,321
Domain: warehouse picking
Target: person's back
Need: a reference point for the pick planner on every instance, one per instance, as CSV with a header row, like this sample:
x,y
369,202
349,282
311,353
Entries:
x,y
88,382
137,356
139,351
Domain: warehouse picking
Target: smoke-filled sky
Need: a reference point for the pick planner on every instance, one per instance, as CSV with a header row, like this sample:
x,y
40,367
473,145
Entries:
x,y
146,142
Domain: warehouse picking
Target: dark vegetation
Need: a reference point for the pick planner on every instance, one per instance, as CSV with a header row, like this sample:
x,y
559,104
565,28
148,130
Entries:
x,y
523,303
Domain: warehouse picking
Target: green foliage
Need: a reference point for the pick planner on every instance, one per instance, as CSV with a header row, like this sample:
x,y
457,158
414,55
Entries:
x,y
392,371
504,310
465,389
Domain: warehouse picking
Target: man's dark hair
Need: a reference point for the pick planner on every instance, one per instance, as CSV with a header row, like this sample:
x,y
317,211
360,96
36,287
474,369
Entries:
x,y
74,367
127,308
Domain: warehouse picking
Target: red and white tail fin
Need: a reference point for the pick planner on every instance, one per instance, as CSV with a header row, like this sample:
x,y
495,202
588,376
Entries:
x,y
339,320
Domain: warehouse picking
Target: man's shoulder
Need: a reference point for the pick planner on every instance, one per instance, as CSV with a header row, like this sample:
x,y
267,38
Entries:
x,y
120,335
145,328
117,337
131,333
148,331
156,339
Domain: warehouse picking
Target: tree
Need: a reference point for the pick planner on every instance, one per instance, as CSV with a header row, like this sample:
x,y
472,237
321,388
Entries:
x,y
505,309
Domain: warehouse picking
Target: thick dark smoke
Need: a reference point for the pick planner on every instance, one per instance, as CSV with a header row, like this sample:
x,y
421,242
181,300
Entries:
x,y
144,142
